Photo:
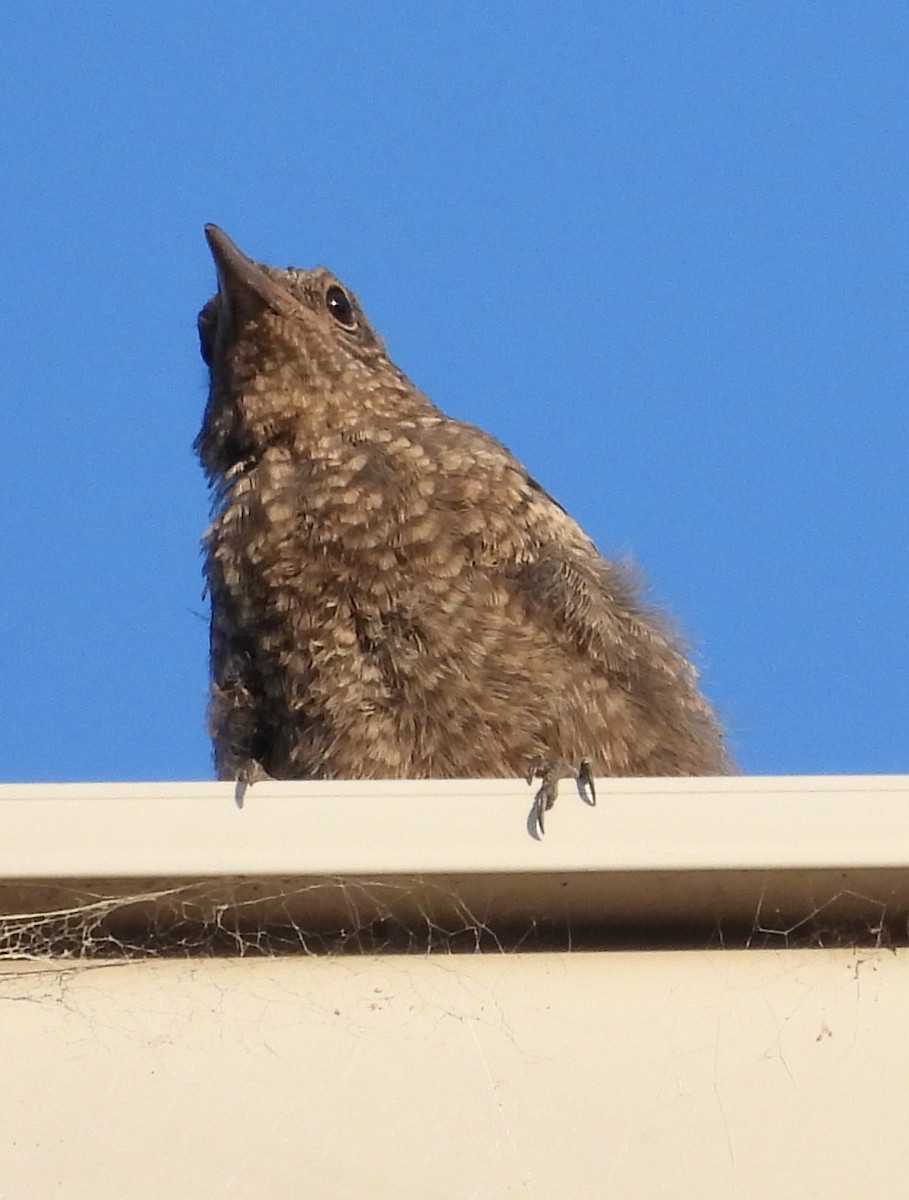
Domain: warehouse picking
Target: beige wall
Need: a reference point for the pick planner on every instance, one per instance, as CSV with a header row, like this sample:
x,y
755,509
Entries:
x,y
708,1075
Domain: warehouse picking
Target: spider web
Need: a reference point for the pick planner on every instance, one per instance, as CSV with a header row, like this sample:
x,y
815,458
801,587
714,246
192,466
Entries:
x,y
273,917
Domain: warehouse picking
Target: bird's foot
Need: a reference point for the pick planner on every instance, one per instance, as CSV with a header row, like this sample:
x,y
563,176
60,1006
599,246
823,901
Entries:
x,y
550,771
249,772
252,771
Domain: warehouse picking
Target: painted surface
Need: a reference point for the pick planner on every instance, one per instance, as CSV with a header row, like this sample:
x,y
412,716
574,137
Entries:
x,y
706,1075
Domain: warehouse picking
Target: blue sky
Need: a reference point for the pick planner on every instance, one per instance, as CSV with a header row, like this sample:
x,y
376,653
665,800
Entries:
x,y
659,249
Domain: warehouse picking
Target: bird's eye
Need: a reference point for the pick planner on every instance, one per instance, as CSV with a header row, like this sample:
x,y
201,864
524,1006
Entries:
x,y
340,307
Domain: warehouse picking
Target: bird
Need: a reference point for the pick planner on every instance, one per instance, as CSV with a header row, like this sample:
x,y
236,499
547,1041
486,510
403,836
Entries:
x,y
393,595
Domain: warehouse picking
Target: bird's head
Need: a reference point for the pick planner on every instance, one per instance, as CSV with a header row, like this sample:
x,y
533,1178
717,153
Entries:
x,y
284,349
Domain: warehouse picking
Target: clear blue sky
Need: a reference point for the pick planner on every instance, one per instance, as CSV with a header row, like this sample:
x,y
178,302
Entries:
x,y
661,250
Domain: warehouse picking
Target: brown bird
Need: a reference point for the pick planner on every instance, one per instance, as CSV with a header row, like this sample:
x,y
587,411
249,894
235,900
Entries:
x,y
393,595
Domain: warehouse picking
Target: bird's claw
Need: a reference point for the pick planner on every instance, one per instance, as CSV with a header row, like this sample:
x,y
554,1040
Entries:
x,y
585,781
549,772
541,768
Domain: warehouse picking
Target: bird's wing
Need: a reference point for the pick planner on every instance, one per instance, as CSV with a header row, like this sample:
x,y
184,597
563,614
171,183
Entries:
x,y
631,663
536,541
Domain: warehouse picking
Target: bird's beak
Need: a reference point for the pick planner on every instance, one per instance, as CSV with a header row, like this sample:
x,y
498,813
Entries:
x,y
239,276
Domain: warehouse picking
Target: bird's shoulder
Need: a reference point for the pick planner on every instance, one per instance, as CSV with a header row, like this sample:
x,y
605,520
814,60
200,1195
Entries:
x,y
545,555
473,468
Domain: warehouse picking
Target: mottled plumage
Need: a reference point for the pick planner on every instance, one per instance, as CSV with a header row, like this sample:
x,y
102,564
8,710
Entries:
x,y
392,594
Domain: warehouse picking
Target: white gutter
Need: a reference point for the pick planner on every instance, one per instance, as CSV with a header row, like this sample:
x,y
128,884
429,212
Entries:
x,y
668,861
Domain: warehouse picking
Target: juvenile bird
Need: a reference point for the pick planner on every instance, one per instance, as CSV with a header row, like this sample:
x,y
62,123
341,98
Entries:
x,y
392,594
